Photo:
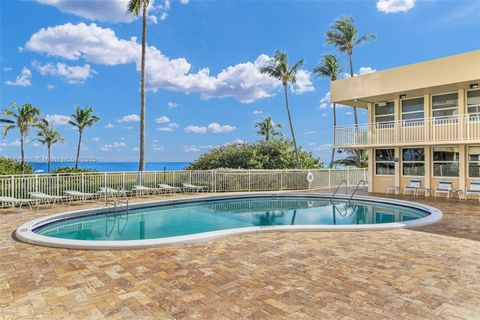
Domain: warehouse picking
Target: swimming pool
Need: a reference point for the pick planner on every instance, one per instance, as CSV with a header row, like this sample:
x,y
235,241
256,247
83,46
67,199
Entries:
x,y
190,220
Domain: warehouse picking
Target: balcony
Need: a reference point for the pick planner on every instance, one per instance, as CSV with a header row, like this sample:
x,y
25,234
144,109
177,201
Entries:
x,y
430,131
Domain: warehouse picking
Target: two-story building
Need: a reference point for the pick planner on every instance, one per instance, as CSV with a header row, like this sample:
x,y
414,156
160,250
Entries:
x,y
423,122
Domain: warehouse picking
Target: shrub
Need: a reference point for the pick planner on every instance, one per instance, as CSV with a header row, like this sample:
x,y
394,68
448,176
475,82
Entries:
x,y
275,154
11,166
72,170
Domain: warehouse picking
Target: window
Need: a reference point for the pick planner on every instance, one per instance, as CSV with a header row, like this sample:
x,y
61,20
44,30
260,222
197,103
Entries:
x,y
384,112
385,162
445,161
473,104
474,162
413,160
445,105
412,110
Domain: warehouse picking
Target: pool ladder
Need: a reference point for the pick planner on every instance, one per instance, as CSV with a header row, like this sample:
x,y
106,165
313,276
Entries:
x,y
361,182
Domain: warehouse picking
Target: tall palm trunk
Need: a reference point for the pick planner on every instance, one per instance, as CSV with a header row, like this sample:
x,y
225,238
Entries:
x,y
78,148
297,166
142,90
49,149
334,134
355,116
22,153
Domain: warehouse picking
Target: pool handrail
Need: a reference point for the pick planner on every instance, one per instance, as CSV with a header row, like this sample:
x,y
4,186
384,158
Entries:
x,y
338,187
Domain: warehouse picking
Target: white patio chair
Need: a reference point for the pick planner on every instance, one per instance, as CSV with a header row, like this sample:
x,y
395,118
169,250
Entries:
x,y
167,187
191,187
15,201
445,187
143,190
77,195
473,190
41,196
412,186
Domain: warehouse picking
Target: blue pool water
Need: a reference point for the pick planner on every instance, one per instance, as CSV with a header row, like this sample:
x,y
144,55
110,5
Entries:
x,y
197,217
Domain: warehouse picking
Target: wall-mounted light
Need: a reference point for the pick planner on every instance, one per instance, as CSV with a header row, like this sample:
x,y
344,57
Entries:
x,y
474,86
403,96
382,104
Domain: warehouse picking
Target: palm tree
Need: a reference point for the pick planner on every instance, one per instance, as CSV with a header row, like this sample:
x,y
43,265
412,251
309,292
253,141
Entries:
x,y
329,68
134,7
279,69
268,129
81,119
48,135
22,118
343,34
351,160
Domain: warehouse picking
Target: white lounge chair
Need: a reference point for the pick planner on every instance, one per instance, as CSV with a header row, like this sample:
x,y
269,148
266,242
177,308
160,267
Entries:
x,y
473,190
191,187
412,187
166,187
77,195
142,190
40,196
444,186
14,201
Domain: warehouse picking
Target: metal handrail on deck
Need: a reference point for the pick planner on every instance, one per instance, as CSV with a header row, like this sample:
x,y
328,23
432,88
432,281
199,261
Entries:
x,y
356,188
338,187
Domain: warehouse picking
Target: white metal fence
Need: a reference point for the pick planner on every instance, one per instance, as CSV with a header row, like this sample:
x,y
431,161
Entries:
x,y
19,186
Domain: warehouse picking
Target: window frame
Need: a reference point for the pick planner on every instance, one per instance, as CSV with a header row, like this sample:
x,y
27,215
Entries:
x,y
450,108
457,162
409,161
375,105
469,162
474,114
383,161
412,112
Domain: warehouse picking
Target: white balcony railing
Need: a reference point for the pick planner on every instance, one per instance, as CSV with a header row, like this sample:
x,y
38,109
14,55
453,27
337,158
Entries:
x,y
430,130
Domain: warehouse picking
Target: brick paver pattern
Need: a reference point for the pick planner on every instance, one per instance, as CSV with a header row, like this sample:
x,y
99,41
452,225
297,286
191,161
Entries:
x,y
429,273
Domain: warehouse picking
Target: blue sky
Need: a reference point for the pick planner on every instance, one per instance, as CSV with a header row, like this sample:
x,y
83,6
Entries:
x,y
203,59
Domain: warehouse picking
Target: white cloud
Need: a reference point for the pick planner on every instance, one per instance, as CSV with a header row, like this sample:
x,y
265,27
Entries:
x,y
169,128
112,146
322,147
127,127
172,105
303,84
157,148
257,112
324,114
58,119
108,126
106,11
325,102
195,129
7,69
130,118
212,127
310,132
14,143
24,79
218,128
393,6
96,139
72,74
195,148
184,1
366,70
163,119
101,46
50,86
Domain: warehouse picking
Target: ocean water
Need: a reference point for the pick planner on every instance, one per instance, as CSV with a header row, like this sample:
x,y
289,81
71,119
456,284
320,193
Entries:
x,y
112,166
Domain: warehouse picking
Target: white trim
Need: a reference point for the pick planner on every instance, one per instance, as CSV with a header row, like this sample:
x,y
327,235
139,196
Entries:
x,y
24,233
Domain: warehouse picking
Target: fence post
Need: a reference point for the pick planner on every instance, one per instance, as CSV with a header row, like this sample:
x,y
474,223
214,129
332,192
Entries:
x,y
173,179
215,181
123,180
281,180
58,183
83,182
190,176
329,178
348,176
12,185
249,180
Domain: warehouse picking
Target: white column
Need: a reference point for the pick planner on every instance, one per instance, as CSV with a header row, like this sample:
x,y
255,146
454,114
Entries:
x,y
371,168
